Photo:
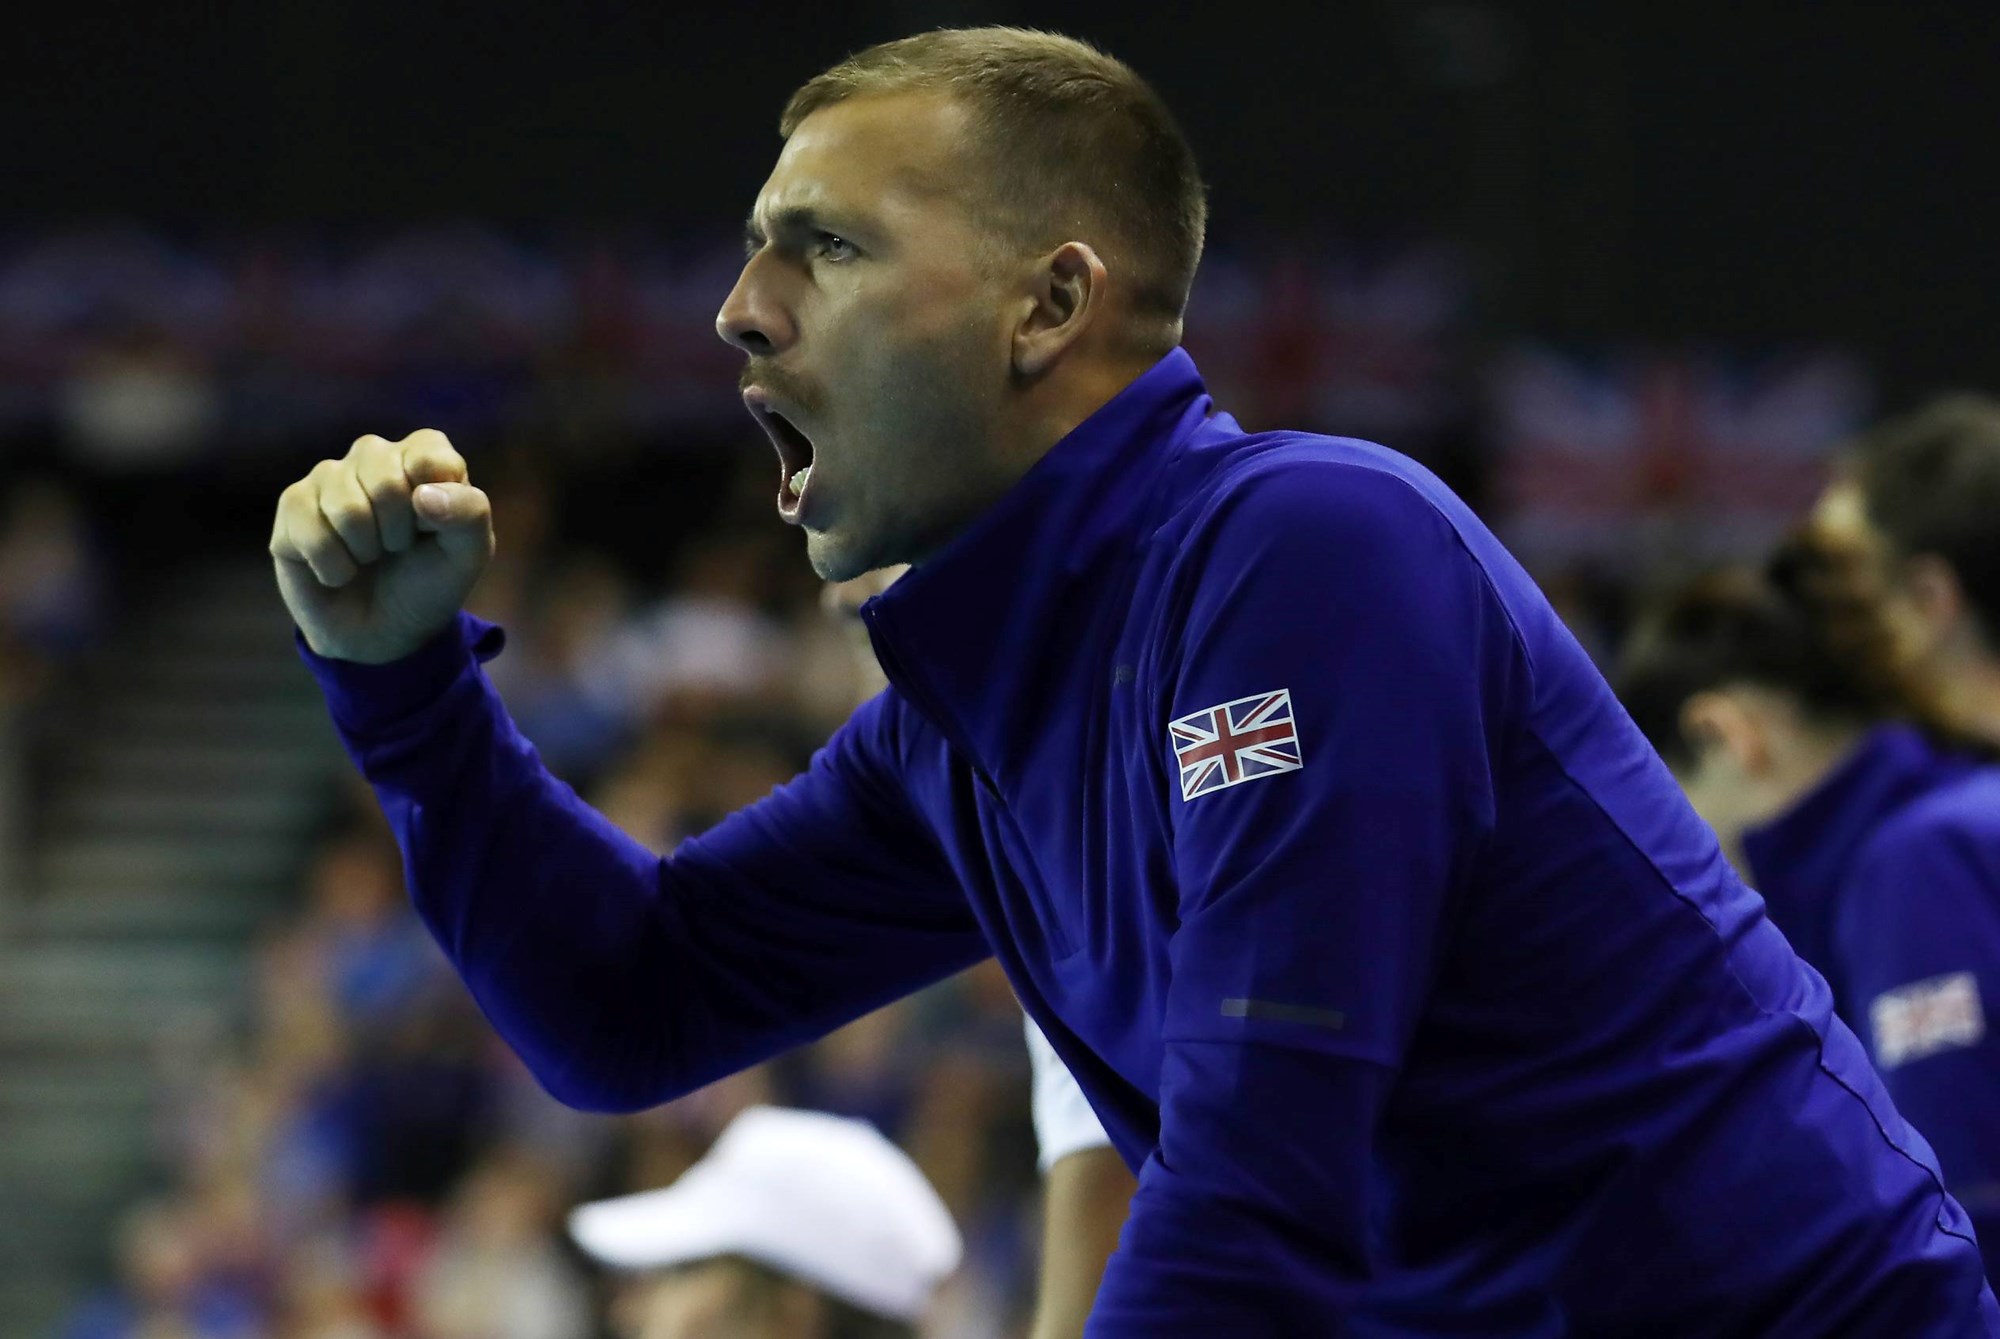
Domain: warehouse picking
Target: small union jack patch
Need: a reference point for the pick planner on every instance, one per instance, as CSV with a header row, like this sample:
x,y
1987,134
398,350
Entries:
x,y
1939,1014
1238,741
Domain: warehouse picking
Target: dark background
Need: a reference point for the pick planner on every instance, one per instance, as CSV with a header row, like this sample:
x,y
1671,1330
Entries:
x,y
1755,171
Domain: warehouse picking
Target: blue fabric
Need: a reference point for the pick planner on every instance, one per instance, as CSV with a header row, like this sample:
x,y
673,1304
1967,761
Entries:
x,y
1886,877
1800,858
1463,1026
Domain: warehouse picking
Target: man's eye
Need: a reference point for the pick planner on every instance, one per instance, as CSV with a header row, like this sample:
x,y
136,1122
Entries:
x,y
831,246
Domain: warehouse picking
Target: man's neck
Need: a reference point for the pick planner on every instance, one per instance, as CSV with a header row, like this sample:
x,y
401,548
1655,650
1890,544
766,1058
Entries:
x,y
1805,762
1054,410
1066,404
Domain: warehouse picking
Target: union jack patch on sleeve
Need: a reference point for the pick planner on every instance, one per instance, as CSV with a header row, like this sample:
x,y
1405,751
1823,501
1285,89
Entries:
x,y
1238,741
1925,1017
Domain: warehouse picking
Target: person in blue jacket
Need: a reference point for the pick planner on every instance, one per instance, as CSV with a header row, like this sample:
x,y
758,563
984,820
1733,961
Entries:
x,y
1918,495
1384,946
1782,701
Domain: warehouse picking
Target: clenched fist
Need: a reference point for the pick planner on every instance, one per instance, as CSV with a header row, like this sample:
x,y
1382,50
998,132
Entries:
x,y
376,551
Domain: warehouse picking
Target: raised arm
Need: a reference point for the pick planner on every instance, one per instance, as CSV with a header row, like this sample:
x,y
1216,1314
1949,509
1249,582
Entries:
x,y
622,979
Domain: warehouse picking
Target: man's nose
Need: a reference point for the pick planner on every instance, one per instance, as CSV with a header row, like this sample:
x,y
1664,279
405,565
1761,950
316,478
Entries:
x,y
753,317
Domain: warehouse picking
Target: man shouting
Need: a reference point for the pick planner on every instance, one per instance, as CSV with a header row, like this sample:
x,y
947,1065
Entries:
x,y
1384,947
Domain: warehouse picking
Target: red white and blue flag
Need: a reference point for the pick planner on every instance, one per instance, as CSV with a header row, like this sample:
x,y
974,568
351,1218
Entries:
x,y
1675,448
1238,741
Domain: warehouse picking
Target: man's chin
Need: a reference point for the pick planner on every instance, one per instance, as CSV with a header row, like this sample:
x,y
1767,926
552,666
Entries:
x,y
845,552
833,558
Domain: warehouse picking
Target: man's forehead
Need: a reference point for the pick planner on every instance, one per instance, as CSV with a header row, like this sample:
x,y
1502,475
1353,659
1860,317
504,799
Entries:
x,y
865,149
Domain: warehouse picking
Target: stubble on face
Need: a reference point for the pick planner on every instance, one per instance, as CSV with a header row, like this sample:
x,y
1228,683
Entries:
x,y
921,452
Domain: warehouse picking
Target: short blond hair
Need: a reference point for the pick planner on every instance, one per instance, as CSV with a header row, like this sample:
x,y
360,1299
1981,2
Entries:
x,y
1071,134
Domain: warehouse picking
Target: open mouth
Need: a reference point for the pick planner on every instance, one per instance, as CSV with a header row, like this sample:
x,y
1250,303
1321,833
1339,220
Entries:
x,y
795,453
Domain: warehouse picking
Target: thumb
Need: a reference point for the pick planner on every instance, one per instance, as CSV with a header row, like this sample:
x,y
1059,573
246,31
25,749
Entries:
x,y
458,514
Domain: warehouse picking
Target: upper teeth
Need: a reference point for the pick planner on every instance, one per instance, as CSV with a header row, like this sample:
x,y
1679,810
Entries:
x,y
799,479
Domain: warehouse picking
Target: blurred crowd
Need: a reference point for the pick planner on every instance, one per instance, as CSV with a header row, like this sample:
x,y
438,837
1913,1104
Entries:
x,y
359,1158
367,1162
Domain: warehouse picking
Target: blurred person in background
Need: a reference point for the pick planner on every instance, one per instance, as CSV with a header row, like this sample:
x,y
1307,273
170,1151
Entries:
x,y
496,1270
1921,495
795,1225
399,1112
142,404
52,582
322,1296
1369,983
708,638
1781,701
175,1281
1086,1187
356,944
52,607
574,707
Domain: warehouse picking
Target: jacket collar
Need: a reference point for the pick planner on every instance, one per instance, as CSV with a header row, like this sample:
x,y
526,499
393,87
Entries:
x,y
968,634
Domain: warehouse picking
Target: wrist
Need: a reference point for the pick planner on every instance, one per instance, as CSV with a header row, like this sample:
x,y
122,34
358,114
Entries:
x,y
371,698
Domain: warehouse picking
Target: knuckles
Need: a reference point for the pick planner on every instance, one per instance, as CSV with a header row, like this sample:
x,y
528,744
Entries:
x,y
385,487
345,516
334,503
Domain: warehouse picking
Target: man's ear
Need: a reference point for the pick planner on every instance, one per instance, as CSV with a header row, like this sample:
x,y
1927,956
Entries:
x,y
1933,591
1721,726
1070,285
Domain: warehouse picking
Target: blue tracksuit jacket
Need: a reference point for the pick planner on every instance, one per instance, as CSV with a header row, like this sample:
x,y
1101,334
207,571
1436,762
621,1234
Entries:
x,y
1886,877
1374,931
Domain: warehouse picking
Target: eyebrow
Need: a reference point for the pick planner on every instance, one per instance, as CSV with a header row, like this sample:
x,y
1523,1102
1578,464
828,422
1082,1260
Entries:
x,y
794,221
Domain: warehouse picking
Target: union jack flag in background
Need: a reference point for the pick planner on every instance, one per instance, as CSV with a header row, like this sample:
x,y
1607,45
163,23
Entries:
x,y
1238,741
1716,450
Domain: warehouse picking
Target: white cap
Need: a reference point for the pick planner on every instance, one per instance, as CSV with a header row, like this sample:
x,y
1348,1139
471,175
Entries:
x,y
821,1198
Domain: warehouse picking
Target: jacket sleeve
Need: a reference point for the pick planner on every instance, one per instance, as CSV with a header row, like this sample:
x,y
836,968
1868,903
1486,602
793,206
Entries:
x,y
1313,897
1917,939
623,979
